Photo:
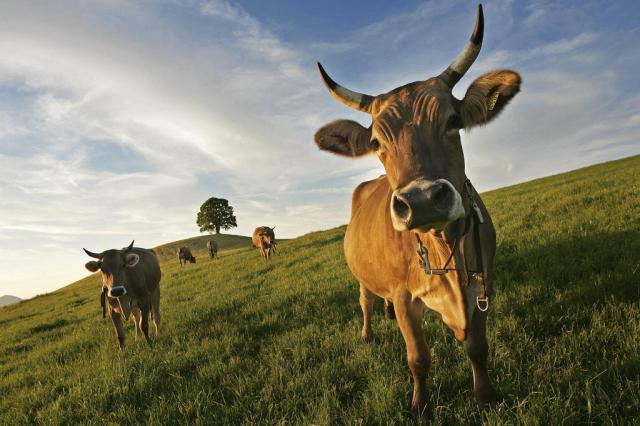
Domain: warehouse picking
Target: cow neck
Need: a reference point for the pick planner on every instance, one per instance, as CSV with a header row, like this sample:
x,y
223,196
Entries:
x,y
473,219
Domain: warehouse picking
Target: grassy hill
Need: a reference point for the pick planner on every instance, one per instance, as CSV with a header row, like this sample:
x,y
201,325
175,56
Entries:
x,y
198,246
250,342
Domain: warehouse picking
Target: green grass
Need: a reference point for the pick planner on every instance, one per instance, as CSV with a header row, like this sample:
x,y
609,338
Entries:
x,y
250,342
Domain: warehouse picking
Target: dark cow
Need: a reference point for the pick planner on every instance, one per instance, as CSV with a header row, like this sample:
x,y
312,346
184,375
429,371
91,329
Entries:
x,y
423,204
184,256
264,239
131,280
212,249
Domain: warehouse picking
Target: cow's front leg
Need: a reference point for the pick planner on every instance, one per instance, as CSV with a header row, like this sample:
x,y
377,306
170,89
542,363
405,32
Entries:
x,y
409,314
477,349
117,323
366,304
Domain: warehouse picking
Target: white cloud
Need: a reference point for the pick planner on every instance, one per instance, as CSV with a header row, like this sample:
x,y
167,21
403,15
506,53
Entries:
x,y
229,117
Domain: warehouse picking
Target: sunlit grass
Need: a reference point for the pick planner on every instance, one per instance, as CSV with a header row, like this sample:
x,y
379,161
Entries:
x,y
252,342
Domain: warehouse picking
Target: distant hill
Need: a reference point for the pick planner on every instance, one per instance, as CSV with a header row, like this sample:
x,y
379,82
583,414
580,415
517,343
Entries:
x,y
8,300
248,341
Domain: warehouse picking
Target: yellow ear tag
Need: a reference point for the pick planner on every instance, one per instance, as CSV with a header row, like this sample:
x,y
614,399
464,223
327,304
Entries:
x,y
491,102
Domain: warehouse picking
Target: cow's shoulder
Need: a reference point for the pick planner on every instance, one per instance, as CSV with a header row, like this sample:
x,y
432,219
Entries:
x,y
366,190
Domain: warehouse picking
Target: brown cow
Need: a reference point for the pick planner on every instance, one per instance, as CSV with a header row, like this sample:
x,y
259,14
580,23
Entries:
x,y
131,279
264,239
426,203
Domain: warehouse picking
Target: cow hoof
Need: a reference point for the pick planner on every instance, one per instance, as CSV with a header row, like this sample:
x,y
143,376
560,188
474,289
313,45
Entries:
x,y
487,398
422,413
368,338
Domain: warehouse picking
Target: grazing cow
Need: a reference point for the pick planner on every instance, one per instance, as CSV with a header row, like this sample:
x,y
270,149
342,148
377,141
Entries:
x,y
212,249
264,239
131,283
423,204
184,256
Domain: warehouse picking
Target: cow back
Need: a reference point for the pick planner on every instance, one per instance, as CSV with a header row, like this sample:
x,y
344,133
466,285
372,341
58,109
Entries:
x,y
143,279
184,253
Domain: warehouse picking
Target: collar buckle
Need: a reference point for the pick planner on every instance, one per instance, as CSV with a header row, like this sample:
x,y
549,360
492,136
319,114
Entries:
x,y
482,303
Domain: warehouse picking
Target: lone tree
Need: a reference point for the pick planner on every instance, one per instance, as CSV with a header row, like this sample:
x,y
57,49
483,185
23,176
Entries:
x,y
216,213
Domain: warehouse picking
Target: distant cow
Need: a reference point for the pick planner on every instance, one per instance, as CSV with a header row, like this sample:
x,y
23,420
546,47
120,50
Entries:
x,y
131,279
212,249
264,239
184,256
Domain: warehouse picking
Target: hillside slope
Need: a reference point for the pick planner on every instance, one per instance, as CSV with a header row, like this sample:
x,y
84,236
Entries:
x,y
245,341
198,245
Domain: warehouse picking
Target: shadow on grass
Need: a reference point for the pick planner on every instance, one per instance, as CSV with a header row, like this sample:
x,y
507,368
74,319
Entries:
x,y
571,297
589,269
49,326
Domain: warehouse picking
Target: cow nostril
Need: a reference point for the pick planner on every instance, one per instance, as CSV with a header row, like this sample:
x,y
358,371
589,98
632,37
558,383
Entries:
x,y
440,196
401,208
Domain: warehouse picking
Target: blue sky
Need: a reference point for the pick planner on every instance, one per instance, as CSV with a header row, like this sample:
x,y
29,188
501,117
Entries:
x,y
119,118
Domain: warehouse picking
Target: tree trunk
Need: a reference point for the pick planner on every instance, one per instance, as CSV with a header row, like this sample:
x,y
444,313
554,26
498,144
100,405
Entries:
x,y
217,229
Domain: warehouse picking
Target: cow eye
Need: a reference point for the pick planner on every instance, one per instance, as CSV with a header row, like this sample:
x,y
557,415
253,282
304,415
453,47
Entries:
x,y
375,144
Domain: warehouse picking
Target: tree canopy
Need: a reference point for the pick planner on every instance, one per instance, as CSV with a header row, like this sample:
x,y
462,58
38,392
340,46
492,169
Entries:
x,y
215,213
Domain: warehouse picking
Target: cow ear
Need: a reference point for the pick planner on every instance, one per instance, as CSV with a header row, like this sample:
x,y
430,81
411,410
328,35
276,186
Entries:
x,y
92,266
344,137
487,96
131,260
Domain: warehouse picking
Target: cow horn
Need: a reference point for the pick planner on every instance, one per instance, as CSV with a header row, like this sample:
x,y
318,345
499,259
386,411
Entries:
x,y
274,227
465,59
92,254
352,99
130,247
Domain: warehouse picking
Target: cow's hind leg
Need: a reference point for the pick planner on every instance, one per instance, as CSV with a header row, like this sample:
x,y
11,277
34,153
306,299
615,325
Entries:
x,y
117,323
366,304
477,349
137,317
155,309
409,314
144,321
389,312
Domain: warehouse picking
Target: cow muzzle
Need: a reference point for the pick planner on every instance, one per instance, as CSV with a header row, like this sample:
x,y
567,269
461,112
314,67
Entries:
x,y
117,291
423,205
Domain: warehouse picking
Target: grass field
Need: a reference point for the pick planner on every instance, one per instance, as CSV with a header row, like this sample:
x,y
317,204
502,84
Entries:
x,y
250,342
